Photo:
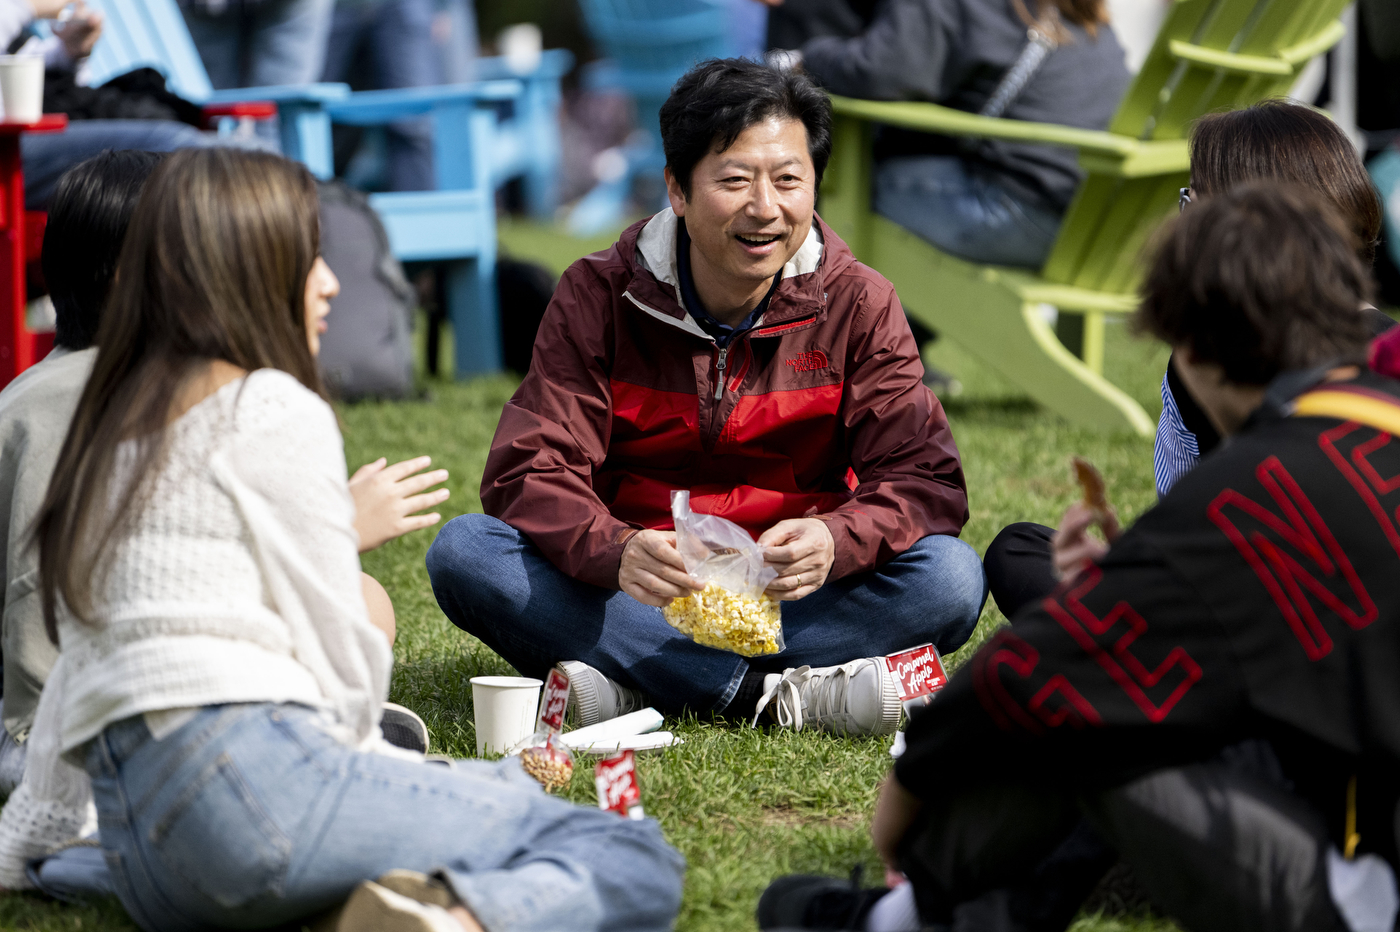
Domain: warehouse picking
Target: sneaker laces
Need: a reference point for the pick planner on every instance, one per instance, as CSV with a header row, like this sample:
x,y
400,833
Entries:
x,y
827,692
788,693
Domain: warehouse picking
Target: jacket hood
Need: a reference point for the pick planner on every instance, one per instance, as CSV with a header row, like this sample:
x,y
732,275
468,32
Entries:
x,y
648,249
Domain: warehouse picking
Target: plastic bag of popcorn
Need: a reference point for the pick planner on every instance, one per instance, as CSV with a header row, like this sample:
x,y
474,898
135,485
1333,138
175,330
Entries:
x,y
731,612
544,755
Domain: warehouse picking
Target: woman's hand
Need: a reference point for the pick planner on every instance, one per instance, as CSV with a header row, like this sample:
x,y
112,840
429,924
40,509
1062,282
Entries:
x,y
387,497
1072,549
895,811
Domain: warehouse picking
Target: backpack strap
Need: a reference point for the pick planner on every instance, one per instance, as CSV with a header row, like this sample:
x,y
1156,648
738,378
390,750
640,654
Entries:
x,y
1350,403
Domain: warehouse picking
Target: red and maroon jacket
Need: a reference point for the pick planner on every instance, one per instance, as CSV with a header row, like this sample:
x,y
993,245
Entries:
x,y
818,410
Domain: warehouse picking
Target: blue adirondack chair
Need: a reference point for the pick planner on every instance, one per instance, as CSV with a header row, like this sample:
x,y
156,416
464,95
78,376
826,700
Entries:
x,y
455,224
152,33
648,45
527,139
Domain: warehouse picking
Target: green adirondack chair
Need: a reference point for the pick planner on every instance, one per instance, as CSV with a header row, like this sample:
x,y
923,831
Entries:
x,y
1210,55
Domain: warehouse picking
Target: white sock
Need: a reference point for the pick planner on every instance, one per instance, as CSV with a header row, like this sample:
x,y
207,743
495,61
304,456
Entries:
x,y
894,912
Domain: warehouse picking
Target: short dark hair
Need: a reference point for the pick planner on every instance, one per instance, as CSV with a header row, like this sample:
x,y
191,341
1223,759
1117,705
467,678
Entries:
x,y
718,99
86,227
1259,280
1277,140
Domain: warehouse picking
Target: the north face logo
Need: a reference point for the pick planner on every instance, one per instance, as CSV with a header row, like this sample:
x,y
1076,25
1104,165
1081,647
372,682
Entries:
x,y
806,362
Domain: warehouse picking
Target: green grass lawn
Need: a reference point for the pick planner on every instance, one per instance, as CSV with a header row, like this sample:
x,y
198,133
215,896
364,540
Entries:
x,y
744,806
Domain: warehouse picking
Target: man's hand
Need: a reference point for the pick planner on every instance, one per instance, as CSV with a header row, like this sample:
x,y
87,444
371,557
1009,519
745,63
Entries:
x,y
81,32
895,811
652,571
802,551
386,498
1072,549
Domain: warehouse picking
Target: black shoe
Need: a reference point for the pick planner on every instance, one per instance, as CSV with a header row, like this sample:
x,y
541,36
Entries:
x,y
807,901
403,729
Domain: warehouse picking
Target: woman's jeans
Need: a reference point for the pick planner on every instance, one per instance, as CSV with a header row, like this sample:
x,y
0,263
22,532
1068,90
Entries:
x,y
967,214
494,583
251,816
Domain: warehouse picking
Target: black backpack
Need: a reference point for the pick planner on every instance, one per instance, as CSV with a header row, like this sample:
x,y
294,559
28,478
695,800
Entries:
x,y
367,349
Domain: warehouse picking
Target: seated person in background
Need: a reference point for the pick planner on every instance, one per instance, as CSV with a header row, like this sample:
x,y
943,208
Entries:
x,y
82,241
733,347
983,200
1217,694
198,561
1275,141
48,156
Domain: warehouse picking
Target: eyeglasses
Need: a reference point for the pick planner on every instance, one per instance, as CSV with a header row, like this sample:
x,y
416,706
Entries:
x,y
1185,199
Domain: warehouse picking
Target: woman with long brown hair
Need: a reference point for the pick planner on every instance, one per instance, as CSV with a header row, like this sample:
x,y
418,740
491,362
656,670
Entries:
x,y
220,678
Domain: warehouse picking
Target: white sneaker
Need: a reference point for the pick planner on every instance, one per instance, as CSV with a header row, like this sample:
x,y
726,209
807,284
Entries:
x,y
594,698
856,698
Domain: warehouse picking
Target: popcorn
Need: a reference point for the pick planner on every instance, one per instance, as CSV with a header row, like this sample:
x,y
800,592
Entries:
x,y
717,617
552,766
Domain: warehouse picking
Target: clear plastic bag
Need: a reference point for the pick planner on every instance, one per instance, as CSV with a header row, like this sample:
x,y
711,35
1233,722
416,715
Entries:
x,y
548,760
732,612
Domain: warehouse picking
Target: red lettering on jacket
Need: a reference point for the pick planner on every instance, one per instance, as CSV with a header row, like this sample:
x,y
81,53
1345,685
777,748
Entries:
x,y
806,362
1276,547
1021,658
1124,667
1373,486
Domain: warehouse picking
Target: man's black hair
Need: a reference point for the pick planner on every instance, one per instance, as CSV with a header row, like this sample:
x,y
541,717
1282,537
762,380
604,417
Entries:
x,y
718,99
87,223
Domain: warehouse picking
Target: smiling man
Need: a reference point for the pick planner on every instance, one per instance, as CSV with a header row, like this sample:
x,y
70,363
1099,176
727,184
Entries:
x,y
733,347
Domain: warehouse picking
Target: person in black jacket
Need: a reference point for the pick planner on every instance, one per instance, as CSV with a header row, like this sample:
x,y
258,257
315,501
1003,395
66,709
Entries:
x,y
986,201
1214,700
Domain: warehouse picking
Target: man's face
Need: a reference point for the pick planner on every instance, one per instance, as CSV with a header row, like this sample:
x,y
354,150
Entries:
x,y
750,206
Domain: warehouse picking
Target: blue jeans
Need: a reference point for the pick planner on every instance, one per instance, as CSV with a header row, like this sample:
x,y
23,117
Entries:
x,y
396,36
250,816
963,213
47,156
492,582
264,44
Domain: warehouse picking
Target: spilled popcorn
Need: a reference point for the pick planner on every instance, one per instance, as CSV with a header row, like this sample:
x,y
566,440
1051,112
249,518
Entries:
x,y
719,618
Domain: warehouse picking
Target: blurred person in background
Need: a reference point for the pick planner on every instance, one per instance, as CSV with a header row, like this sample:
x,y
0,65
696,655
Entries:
x,y
378,44
48,156
982,200
260,43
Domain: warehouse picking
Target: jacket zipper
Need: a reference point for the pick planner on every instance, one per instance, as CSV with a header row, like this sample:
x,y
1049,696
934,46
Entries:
x,y
719,373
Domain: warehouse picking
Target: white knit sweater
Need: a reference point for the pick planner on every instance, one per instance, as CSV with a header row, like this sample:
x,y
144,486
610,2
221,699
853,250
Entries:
x,y
240,582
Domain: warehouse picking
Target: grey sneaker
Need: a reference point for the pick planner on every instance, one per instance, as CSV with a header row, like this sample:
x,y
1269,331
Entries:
x,y
374,908
594,698
856,698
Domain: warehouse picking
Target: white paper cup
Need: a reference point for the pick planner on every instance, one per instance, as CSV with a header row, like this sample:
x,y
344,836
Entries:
x,y
22,87
505,709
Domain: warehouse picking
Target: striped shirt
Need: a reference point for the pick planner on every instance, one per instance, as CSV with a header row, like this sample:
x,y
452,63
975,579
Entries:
x,y
1176,450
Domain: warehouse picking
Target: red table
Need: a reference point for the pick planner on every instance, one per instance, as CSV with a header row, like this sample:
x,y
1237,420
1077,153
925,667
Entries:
x,y
21,240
